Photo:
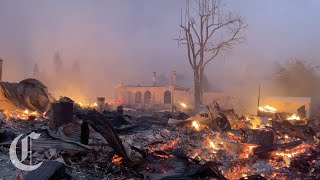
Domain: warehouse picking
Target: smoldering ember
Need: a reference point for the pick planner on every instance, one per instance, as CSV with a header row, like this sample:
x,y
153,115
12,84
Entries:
x,y
228,108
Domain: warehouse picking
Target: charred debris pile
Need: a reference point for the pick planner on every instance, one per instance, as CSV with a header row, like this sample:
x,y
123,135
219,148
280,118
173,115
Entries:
x,y
79,142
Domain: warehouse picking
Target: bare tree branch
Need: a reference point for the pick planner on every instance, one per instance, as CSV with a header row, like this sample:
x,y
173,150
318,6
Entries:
x,y
209,29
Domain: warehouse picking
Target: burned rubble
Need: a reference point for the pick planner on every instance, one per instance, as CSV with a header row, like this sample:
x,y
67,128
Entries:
x,y
79,142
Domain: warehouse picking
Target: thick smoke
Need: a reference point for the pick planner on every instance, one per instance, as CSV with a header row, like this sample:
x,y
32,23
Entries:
x,y
102,44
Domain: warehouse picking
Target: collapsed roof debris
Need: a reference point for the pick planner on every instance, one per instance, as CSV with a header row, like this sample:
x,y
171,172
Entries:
x,y
81,142
28,94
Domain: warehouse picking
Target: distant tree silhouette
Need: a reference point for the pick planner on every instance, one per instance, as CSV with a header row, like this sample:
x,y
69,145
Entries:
x,y
298,78
36,72
76,67
57,62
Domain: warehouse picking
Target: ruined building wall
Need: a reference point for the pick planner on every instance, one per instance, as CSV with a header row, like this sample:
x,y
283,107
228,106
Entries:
x,y
155,97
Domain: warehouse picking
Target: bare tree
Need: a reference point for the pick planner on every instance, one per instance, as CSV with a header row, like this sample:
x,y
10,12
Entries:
x,y
76,67
208,30
57,62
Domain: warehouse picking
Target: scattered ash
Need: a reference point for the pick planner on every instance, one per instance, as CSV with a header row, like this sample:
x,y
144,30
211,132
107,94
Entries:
x,y
150,133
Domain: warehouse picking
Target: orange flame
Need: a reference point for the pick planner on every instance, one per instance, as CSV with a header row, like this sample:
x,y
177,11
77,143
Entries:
x,y
268,108
293,117
93,105
19,114
183,105
286,155
247,151
196,125
81,104
168,145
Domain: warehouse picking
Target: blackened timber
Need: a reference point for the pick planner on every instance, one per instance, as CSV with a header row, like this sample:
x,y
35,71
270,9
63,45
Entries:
x,y
102,125
266,149
61,114
219,121
85,132
261,137
48,170
303,132
120,110
302,111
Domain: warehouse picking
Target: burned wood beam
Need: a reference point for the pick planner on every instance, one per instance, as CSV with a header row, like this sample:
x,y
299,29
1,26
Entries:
x,y
267,149
208,170
303,132
260,137
102,125
195,170
48,140
263,150
85,132
302,111
221,123
49,170
290,145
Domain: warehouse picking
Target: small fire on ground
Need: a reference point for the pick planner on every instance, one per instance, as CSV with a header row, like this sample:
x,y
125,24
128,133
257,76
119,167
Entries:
x,y
22,115
267,108
293,117
196,125
116,159
228,145
94,105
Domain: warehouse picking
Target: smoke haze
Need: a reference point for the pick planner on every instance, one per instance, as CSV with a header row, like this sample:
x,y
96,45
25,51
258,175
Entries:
x,y
125,41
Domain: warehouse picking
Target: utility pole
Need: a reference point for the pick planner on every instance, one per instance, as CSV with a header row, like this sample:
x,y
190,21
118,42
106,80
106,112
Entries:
x,y
258,111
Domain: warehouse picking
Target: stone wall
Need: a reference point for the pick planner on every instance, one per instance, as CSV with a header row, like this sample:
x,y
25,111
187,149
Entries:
x,y
155,97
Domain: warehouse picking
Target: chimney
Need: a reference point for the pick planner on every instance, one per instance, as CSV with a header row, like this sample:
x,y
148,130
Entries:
x,y
174,78
154,79
1,70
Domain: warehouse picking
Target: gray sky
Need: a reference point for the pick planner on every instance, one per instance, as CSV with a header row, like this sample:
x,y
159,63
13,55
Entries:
x,y
125,41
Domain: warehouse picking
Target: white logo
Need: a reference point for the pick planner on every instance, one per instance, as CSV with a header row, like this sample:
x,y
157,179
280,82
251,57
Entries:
x,y
26,145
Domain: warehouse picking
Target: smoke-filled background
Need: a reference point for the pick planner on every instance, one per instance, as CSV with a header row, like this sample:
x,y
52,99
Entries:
x,y
83,49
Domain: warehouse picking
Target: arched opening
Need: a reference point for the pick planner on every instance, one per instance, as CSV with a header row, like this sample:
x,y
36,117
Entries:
x,y
167,97
147,97
138,98
129,98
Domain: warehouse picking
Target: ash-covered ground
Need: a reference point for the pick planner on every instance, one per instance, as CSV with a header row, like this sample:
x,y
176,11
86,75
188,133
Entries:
x,y
158,149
